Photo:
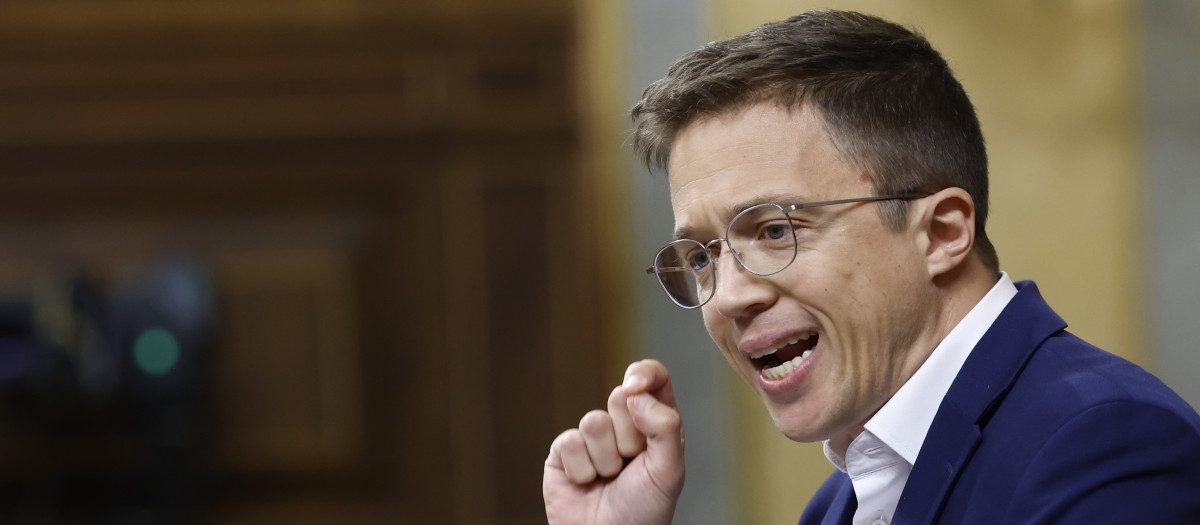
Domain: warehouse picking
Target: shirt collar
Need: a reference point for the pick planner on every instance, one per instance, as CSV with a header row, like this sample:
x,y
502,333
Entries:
x,y
902,423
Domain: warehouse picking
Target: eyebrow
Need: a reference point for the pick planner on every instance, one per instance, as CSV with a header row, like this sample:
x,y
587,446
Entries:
x,y
731,210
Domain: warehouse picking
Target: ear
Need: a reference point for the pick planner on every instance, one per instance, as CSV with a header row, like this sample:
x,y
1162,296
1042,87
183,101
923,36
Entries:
x,y
948,228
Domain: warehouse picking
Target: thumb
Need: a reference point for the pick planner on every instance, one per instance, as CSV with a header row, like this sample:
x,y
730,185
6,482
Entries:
x,y
663,428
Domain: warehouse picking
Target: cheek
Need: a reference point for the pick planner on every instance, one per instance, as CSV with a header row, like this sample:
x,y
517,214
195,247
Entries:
x,y
829,271
721,331
718,327
835,255
869,261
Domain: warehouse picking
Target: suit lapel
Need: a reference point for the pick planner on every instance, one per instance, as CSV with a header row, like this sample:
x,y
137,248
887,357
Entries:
x,y
841,508
833,504
985,378
938,465
847,504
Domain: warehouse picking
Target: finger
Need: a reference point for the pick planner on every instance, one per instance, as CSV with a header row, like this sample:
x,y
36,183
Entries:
x,y
663,427
629,441
601,440
650,376
569,452
654,419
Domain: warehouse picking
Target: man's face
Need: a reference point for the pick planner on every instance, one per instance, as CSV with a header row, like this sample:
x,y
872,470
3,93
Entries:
x,y
851,307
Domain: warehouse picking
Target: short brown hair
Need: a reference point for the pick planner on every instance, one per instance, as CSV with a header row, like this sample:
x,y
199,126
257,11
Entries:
x,y
890,101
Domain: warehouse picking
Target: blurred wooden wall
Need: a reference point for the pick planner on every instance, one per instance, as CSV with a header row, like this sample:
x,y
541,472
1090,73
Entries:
x,y
387,194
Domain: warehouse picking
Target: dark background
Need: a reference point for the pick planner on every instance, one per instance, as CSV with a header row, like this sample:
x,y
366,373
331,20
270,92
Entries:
x,y
361,226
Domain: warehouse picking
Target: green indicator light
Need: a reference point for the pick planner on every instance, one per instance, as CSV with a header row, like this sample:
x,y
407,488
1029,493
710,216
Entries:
x,y
156,351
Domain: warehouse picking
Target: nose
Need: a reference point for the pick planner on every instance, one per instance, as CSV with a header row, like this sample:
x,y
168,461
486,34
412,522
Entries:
x,y
738,292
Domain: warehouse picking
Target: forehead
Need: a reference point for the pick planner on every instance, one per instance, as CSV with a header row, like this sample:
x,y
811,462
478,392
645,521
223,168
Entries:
x,y
767,150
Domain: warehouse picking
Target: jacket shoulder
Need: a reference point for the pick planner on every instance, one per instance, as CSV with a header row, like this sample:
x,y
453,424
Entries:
x,y
1079,432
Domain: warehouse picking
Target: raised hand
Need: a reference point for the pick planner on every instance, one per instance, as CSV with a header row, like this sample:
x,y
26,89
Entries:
x,y
623,466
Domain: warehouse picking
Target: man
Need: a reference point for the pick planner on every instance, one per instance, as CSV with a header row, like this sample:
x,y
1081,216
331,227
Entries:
x,y
829,184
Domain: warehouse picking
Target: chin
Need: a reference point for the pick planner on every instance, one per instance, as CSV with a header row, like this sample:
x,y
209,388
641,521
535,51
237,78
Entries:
x,y
802,437
796,431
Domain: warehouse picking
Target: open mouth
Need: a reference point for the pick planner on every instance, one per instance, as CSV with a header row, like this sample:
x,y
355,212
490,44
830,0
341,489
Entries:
x,y
780,361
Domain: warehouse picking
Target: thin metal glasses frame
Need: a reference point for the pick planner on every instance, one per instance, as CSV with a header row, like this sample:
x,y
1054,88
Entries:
x,y
654,269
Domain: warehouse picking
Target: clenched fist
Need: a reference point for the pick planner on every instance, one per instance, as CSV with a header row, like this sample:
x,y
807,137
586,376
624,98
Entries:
x,y
623,466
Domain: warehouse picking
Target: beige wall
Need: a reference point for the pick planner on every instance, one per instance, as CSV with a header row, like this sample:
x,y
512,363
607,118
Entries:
x,y
602,111
1054,85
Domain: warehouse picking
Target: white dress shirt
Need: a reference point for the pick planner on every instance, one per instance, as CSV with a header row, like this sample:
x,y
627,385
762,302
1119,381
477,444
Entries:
x,y
880,459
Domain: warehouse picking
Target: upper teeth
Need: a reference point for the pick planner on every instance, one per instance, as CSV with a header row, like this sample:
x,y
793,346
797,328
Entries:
x,y
768,351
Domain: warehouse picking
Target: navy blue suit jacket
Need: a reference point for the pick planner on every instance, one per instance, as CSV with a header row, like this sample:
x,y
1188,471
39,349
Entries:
x,y
1041,427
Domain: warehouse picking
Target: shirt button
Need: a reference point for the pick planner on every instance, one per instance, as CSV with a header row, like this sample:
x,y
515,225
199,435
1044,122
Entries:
x,y
879,521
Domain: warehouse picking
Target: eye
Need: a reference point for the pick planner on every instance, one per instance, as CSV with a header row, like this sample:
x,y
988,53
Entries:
x,y
698,260
776,231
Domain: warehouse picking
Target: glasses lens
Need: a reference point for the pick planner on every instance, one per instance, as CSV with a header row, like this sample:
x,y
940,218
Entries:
x,y
685,270
763,238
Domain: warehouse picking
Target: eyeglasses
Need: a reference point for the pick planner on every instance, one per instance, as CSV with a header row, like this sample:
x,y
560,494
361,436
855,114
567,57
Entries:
x,y
762,238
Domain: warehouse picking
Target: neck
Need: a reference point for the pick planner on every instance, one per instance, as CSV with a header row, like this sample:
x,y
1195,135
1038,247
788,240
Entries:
x,y
958,292
954,293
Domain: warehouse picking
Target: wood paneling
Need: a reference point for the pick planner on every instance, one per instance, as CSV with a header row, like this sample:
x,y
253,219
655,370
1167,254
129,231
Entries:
x,y
385,195
288,389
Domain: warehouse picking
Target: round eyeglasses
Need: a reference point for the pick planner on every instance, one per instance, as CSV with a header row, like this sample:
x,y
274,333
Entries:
x,y
762,238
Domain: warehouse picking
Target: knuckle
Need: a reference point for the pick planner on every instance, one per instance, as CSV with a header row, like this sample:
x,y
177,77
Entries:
x,y
670,420
617,396
672,417
633,366
561,440
595,422
646,366
570,440
653,366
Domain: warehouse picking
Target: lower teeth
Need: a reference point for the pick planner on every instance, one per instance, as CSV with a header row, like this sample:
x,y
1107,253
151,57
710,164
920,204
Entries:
x,y
785,369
